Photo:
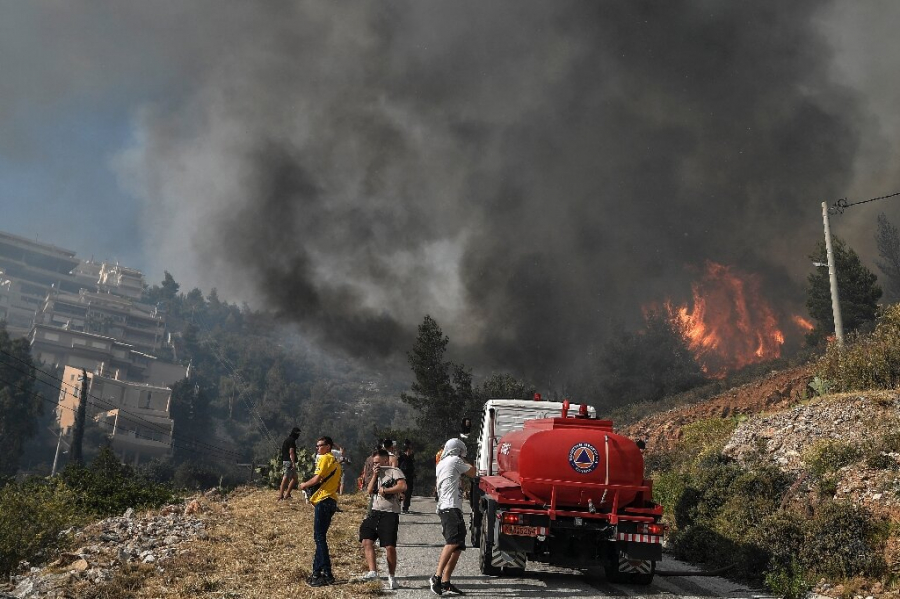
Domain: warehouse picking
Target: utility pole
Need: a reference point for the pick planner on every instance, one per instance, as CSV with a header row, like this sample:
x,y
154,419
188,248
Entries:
x,y
56,455
80,415
832,275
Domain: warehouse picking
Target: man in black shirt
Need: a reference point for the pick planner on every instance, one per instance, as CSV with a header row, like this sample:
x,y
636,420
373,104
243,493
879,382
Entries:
x,y
289,464
408,466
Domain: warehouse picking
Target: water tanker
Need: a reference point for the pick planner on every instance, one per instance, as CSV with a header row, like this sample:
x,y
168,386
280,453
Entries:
x,y
565,490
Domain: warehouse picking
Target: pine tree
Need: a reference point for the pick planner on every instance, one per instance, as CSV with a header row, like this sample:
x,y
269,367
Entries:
x,y
858,291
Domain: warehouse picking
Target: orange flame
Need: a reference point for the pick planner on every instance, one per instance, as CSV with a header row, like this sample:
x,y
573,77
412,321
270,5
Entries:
x,y
802,323
730,325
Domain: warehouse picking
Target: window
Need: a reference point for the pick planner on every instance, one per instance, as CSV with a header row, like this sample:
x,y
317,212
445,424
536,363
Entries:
x,y
51,336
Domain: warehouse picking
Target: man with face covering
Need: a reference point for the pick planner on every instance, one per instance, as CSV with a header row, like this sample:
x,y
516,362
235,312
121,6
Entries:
x,y
448,472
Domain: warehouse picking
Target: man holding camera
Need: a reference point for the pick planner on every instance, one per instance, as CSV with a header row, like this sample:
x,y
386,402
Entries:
x,y
385,487
326,480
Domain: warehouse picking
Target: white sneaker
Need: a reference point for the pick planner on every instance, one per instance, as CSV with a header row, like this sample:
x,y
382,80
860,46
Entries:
x,y
368,576
393,585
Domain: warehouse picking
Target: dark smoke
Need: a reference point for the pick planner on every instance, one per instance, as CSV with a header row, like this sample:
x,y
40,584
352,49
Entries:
x,y
529,173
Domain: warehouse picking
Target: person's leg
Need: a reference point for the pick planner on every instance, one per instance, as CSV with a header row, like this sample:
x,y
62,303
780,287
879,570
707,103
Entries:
x,y
328,512
390,554
291,484
407,495
446,554
319,531
369,550
281,489
447,572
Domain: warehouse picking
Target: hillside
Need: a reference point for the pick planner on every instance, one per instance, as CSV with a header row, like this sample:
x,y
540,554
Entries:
x,y
243,544
834,449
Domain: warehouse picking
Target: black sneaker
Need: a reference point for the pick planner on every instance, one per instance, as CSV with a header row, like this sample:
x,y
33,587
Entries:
x,y
448,588
436,585
328,578
317,581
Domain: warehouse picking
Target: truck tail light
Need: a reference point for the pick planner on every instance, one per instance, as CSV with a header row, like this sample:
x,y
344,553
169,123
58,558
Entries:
x,y
652,529
510,518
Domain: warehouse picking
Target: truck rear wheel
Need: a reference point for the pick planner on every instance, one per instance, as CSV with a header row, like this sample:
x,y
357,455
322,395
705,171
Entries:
x,y
486,561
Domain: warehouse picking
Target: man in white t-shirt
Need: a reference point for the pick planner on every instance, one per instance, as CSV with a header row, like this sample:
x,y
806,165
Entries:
x,y
447,473
385,487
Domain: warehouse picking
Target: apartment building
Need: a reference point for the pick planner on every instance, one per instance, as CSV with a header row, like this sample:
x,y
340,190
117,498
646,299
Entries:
x,y
58,348
122,318
135,416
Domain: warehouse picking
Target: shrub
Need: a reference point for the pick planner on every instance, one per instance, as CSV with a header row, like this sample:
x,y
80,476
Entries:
x,y
32,514
867,361
668,488
109,487
194,477
706,436
787,581
830,455
843,541
880,461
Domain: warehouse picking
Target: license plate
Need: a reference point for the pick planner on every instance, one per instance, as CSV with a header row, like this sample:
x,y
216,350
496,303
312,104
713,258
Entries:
x,y
522,531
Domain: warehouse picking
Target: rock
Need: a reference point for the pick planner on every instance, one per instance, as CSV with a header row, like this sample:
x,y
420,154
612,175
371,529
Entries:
x,y
129,513
80,565
192,508
149,559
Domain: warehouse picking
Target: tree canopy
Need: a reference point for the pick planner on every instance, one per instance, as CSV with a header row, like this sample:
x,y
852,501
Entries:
x,y
888,241
858,291
20,404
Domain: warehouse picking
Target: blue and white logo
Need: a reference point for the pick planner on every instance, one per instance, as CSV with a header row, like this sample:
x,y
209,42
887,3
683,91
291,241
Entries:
x,y
583,458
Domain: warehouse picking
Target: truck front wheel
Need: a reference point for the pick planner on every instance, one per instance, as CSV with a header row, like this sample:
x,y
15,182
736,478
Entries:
x,y
486,547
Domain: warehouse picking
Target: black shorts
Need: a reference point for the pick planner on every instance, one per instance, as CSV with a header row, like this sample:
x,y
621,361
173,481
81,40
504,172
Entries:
x,y
382,526
453,527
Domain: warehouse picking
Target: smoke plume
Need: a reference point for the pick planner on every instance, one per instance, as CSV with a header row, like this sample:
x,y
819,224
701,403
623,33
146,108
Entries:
x,y
529,173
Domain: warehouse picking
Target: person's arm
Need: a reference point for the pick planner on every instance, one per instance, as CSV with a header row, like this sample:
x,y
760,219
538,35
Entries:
x,y
313,481
373,480
398,488
293,454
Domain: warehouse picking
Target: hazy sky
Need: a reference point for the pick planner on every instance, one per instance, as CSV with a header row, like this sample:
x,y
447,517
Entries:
x,y
530,173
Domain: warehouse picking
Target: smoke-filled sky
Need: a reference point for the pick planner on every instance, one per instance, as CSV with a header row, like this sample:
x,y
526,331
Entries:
x,y
529,173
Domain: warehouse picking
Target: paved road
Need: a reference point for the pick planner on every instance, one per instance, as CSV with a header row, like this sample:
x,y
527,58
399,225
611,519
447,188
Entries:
x,y
420,543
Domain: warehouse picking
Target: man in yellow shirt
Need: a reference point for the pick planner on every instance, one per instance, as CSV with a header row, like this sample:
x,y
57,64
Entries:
x,y
328,478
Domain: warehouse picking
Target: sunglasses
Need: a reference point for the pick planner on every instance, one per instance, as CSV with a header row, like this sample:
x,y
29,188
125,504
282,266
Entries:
x,y
321,444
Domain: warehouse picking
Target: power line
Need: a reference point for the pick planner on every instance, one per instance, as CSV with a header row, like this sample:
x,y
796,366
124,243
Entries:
x,y
153,425
839,206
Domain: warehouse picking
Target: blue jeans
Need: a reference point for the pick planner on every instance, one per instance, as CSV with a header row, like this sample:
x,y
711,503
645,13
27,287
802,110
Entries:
x,y
324,511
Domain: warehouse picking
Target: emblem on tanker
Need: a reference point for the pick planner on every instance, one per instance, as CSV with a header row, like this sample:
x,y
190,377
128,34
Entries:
x,y
504,448
583,457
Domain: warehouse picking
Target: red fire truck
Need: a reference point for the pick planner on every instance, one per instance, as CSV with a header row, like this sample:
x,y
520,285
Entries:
x,y
563,490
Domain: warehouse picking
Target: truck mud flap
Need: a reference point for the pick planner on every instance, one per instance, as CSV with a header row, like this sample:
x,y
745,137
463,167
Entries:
x,y
507,557
644,551
634,566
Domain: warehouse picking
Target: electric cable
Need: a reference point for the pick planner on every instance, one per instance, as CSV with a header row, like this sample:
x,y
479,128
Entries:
x,y
839,206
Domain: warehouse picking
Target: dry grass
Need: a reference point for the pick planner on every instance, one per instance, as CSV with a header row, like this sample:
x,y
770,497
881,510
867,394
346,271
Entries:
x,y
257,547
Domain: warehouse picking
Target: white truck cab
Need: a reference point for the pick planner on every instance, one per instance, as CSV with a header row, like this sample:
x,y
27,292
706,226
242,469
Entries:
x,y
500,416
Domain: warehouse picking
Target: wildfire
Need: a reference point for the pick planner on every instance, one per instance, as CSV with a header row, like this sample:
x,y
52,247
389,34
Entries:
x,y
730,325
802,323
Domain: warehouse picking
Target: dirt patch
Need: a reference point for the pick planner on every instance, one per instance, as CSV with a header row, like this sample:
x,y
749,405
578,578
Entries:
x,y
775,392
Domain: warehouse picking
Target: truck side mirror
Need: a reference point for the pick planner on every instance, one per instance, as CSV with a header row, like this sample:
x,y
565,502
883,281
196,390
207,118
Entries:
x,y
466,426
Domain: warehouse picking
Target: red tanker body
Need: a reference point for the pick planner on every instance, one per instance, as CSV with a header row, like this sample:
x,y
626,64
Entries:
x,y
569,492
547,454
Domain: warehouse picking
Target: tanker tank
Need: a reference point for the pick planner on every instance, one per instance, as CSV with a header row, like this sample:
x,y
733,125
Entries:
x,y
569,455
